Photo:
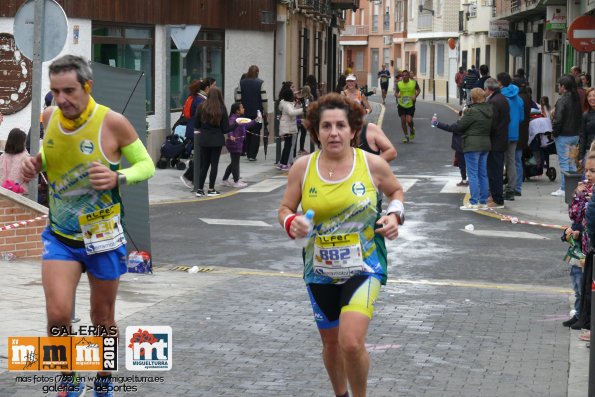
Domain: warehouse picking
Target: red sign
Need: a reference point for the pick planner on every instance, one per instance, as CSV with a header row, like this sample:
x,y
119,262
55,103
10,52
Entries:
x,y
581,33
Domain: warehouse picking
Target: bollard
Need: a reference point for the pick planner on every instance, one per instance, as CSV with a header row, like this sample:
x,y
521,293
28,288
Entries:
x,y
277,114
196,159
434,90
446,91
423,89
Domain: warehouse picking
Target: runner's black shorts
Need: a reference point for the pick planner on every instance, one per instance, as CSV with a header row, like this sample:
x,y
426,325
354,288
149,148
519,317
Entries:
x,y
406,111
384,86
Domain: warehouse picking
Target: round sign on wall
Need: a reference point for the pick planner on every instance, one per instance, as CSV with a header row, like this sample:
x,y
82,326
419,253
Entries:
x,y
581,33
15,74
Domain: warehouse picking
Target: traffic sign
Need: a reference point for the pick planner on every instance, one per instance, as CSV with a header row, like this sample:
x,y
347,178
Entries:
x,y
581,33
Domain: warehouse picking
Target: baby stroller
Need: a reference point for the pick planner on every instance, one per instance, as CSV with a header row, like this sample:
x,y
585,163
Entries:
x,y
173,150
541,145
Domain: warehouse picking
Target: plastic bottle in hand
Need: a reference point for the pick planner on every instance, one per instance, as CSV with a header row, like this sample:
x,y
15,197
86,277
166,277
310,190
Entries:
x,y
258,116
303,241
434,120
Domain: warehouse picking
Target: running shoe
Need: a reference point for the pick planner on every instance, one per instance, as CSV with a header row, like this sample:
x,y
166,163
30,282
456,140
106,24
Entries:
x,y
71,386
412,134
103,387
200,193
212,192
227,182
186,182
406,140
238,184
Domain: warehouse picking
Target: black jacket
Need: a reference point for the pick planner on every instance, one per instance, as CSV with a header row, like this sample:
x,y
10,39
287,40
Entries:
x,y
252,97
456,143
587,132
567,116
212,135
501,119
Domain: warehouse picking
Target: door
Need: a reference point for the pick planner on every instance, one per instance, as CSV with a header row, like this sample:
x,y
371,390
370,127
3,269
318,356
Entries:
x,y
374,67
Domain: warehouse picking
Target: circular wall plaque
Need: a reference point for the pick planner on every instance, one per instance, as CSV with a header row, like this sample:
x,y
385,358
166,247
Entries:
x,y
15,76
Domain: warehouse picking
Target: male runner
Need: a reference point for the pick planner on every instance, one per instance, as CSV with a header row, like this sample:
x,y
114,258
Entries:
x,y
81,152
406,92
384,76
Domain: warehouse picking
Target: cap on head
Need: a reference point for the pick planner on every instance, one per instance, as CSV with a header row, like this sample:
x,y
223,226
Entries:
x,y
351,77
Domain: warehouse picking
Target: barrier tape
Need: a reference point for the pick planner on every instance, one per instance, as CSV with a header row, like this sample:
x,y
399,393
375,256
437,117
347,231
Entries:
x,y
22,223
514,220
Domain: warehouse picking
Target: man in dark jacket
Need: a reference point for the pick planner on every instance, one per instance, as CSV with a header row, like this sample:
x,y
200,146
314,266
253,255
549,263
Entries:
x,y
485,74
499,138
254,98
469,82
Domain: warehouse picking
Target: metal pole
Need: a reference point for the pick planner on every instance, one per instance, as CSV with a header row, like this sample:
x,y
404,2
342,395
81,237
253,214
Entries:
x,y
423,89
276,133
39,20
433,89
447,91
167,79
196,159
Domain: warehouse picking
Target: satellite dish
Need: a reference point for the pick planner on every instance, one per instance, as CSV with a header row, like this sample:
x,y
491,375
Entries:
x,y
55,29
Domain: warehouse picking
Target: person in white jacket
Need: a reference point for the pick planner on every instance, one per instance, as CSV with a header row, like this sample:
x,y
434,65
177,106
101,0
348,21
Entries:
x,y
287,123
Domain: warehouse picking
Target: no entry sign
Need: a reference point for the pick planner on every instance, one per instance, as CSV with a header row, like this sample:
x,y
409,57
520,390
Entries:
x,y
581,33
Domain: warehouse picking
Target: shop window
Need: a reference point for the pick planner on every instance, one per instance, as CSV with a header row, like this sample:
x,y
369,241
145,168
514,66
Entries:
x,y
205,59
129,47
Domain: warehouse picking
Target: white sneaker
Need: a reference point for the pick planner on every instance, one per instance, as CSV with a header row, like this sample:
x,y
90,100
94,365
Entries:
x,y
482,206
238,184
469,207
186,182
227,182
558,192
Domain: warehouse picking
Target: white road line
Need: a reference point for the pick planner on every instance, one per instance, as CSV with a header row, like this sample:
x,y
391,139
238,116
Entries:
x,y
234,222
266,186
451,187
506,234
407,183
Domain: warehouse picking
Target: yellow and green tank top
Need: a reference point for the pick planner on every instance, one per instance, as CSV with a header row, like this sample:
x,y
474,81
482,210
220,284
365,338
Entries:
x,y
407,91
68,155
344,207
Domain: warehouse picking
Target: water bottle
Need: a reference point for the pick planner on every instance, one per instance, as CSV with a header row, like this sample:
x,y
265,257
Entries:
x,y
303,241
258,116
434,120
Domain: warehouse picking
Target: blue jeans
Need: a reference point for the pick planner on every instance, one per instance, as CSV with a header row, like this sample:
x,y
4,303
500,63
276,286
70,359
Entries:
x,y
518,161
563,144
477,173
576,279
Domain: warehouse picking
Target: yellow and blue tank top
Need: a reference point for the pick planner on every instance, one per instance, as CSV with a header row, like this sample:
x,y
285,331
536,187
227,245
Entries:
x,y
68,156
346,206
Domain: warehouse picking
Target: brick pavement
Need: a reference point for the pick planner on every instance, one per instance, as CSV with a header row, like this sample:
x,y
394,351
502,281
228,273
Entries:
x,y
237,334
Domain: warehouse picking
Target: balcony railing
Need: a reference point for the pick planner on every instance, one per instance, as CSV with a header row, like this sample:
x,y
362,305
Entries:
x,y
424,21
515,6
356,30
530,2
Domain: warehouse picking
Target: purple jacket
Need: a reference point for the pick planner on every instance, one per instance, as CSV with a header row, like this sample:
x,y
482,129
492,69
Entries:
x,y
239,132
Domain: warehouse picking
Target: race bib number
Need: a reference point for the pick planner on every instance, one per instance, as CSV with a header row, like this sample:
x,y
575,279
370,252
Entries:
x,y
384,79
338,256
102,230
406,100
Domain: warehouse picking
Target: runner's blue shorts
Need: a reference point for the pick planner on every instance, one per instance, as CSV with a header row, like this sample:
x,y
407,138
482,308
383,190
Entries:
x,y
108,265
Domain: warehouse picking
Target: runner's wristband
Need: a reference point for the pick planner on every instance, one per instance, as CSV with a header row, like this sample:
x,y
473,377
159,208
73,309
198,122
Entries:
x,y
287,224
395,206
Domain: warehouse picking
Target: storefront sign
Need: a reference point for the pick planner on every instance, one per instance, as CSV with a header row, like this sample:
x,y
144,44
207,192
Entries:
x,y
556,18
498,29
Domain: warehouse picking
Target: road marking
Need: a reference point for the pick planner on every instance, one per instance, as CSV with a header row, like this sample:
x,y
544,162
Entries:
x,y
451,187
234,222
407,183
266,186
506,234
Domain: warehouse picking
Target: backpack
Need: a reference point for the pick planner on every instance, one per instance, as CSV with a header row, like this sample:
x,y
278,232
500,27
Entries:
x,y
188,106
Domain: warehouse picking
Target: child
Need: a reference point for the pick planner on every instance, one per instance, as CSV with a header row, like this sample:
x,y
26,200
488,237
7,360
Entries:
x,y
546,109
234,144
576,212
11,161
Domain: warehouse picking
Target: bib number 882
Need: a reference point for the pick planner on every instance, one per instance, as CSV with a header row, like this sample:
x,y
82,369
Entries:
x,y
333,254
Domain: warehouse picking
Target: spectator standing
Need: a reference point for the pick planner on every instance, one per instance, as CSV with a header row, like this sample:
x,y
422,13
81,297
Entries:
x,y
459,80
516,107
254,98
234,144
384,77
305,98
523,142
586,80
11,161
456,144
546,108
213,122
485,74
287,123
469,82
566,125
499,140
588,128
520,76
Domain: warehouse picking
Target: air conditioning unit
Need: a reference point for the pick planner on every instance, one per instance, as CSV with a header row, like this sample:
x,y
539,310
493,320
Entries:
x,y
388,40
552,46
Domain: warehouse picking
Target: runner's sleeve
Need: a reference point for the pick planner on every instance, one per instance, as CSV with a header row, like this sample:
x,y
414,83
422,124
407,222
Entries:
x,y
142,167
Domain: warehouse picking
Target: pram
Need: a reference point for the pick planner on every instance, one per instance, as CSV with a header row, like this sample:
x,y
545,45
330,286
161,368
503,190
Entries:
x,y
541,145
174,149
